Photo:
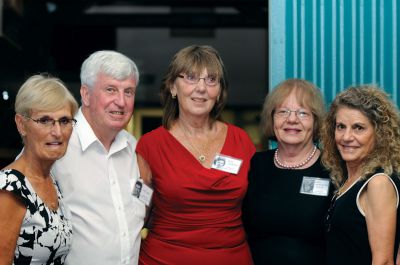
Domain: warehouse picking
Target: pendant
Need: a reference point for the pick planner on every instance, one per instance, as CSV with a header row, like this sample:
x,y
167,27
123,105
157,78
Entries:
x,y
202,158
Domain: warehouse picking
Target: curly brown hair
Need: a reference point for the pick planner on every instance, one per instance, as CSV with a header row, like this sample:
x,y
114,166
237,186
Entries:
x,y
383,114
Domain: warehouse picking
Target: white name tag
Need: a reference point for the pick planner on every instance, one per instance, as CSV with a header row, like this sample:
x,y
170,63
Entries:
x,y
142,192
315,186
227,163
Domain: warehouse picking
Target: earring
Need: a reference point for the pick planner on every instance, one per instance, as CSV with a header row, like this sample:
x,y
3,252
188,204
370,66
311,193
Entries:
x,y
173,96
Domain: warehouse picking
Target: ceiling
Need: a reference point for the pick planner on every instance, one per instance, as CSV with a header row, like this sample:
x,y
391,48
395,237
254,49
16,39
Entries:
x,y
56,36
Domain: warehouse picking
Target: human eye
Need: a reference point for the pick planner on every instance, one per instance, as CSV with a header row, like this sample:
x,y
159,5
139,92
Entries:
x,y
129,92
340,126
303,113
358,128
111,90
212,80
64,121
45,120
281,112
191,77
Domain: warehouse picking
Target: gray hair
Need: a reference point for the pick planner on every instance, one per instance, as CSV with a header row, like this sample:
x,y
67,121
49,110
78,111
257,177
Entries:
x,y
111,63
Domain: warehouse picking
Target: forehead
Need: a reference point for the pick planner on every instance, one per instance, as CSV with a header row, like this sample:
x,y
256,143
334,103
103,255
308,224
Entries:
x,y
292,100
107,80
351,115
64,111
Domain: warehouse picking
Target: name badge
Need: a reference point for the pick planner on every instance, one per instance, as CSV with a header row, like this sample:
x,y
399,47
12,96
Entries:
x,y
315,186
227,163
142,192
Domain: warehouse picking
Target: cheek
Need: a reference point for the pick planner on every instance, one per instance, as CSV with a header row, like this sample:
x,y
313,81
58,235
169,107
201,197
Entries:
x,y
337,137
67,133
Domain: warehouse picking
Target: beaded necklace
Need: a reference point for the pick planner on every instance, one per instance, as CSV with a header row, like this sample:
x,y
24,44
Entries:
x,y
286,166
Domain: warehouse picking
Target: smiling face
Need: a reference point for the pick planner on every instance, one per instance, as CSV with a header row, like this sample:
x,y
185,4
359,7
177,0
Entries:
x,y
292,130
195,99
354,135
46,142
108,105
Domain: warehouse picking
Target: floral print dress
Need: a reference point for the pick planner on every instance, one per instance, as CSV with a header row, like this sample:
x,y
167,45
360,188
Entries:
x,y
46,235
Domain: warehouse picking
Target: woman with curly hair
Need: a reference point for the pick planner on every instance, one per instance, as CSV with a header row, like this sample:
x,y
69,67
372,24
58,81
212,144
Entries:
x,y
361,140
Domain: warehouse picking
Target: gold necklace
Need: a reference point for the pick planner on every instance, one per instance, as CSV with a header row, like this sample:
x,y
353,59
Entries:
x,y
202,156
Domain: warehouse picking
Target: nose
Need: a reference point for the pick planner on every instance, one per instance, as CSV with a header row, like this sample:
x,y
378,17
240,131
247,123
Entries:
x,y
201,85
120,99
56,129
348,135
292,116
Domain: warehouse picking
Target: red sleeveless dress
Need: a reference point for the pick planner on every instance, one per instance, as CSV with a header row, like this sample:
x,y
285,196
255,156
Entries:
x,y
196,217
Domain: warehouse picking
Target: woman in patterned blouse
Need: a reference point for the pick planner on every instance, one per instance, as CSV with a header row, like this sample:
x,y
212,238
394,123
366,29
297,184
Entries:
x,y
35,226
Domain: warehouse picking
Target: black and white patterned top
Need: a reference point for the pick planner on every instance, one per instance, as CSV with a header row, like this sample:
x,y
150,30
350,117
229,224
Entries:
x,y
46,235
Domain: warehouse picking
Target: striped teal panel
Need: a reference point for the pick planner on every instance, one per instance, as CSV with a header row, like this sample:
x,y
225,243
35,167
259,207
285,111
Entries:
x,y
335,43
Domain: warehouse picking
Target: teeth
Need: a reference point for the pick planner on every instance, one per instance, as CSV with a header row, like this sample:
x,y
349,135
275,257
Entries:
x,y
117,112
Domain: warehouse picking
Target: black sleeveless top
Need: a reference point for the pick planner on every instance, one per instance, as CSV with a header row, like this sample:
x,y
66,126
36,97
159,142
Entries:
x,y
346,229
284,226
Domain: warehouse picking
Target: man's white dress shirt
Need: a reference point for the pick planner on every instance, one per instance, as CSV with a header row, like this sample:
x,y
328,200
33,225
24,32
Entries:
x,y
97,187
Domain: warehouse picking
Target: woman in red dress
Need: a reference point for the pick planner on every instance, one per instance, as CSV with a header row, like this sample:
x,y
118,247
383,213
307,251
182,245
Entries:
x,y
197,166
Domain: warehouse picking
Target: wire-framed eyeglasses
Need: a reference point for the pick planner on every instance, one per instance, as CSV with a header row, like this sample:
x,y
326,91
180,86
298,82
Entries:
x,y
193,80
284,113
48,122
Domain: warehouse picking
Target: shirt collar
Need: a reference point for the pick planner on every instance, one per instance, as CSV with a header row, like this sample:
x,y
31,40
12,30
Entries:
x,y
87,136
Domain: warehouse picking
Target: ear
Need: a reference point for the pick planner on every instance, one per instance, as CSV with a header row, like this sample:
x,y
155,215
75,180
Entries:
x,y
19,121
85,95
173,90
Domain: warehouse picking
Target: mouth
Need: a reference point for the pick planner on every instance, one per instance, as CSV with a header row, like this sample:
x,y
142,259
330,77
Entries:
x,y
117,112
349,148
199,99
55,143
292,130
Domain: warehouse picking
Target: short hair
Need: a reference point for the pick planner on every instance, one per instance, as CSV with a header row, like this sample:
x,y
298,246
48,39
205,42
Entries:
x,y
193,59
111,63
43,93
383,115
308,95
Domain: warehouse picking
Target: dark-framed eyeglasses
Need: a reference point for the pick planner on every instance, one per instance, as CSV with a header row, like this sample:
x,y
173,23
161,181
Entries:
x,y
48,122
193,80
284,113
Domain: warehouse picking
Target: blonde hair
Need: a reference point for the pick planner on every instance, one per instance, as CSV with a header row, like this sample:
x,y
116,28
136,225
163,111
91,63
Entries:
x,y
383,115
308,96
43,93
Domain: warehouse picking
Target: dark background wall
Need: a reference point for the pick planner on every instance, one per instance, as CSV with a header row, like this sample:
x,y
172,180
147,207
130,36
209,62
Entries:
x,y
56,36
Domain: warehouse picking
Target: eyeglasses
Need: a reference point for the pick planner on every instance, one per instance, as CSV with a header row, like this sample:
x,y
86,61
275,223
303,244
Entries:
x,y
329,213
47,122
285,113
193,80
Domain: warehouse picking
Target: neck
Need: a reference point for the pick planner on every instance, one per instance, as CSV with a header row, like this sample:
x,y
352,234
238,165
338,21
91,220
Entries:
x,y
33,167
105,136
293,153
353,170
295,161
195,127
